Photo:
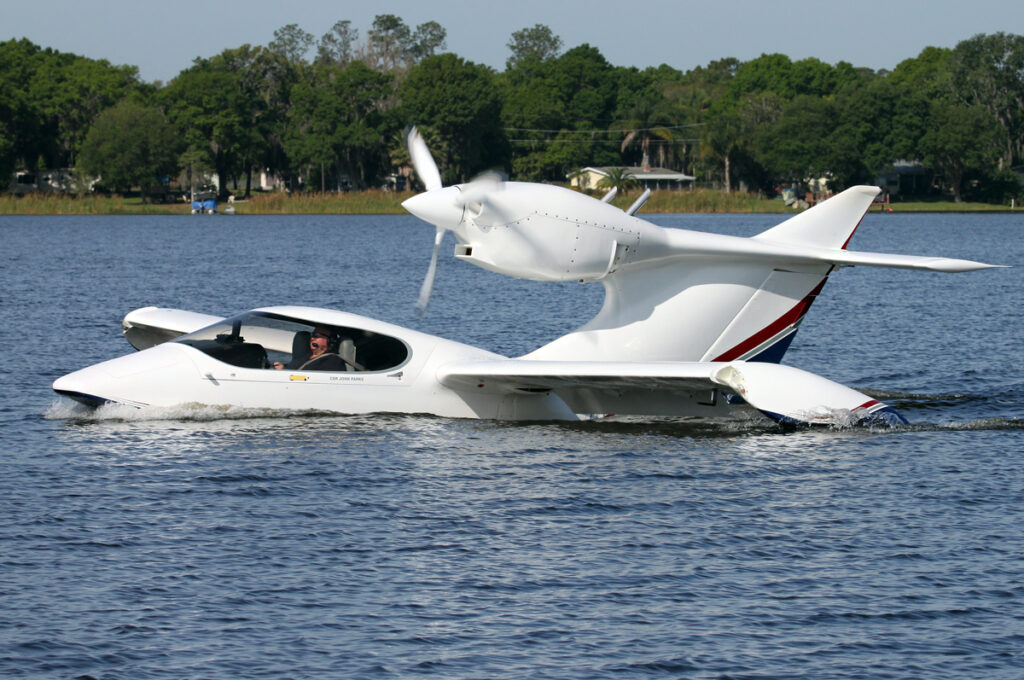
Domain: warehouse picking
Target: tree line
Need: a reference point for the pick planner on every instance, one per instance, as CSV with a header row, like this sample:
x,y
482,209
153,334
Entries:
x,y
330,112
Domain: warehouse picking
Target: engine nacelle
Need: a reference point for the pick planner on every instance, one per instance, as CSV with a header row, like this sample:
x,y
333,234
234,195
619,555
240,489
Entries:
x,y
566,237
544,248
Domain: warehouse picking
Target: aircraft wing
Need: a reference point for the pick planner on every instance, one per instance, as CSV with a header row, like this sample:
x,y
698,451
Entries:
x,y
783,393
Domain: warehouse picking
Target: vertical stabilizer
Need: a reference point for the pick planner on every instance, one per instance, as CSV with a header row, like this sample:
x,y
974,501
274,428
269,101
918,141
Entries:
x,y
830,224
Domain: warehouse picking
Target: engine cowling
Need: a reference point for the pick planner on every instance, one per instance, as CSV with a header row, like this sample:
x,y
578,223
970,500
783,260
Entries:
x,y
564,236
546,248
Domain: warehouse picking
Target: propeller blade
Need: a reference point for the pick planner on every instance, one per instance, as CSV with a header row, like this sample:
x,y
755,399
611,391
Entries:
x,y
479,197
428,282
422,162
479,189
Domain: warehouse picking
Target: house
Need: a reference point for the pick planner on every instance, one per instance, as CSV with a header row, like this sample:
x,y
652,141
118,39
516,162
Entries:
x,y
60,180
1019,169
906,177
23,182
646,176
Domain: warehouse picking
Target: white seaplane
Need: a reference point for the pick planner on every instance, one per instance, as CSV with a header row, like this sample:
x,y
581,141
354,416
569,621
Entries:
x,y
693,324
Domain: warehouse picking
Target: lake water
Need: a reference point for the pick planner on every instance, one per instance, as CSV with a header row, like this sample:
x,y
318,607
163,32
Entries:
x,y
268,545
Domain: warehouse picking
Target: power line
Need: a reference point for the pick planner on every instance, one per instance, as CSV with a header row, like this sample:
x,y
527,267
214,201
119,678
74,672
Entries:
x,y
547,140
593,132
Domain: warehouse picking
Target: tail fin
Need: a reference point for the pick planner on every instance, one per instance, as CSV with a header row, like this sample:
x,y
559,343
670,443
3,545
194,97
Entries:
x,y
829,224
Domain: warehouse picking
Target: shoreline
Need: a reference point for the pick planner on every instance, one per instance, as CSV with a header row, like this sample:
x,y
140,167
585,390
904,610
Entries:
x,y
376,202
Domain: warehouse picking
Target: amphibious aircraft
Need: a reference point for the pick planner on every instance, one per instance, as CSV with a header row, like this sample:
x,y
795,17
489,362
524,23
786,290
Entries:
x,y
692,325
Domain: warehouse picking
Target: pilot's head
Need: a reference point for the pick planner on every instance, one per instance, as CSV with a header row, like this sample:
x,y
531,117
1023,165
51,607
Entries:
x,y
321,339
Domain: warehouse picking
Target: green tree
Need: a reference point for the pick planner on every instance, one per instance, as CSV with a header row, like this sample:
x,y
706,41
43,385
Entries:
x,y
532,107
646,120
292,43
459,101
795,146
536,44
206,105
73,90
389,42
731,135
619,179
675,104
393,47
337,46
233,107
427,40
917,84
336,126
777,74
588,85
264,80
310,136
988,71
755,96
693,94
560,108
529,113
364,123
48,100
865,137
129,145
194,164
8,162
15,116
961,139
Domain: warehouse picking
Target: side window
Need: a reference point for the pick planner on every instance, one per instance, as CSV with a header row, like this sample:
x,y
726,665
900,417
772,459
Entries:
x,y
270,341
227,341
246,341
376,352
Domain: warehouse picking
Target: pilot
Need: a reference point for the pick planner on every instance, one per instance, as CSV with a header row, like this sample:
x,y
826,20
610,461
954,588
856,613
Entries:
x,y
323,353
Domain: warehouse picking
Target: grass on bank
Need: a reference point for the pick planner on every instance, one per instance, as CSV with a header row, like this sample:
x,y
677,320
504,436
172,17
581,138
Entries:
x,y
92,204
377,202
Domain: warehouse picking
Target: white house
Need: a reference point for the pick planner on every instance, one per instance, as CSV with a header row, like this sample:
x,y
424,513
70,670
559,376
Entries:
x,y
647,177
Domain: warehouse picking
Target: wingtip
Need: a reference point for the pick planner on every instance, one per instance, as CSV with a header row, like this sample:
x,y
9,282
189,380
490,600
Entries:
x,y
953,266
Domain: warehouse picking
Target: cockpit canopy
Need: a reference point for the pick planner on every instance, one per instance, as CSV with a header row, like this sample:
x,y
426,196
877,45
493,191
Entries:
x,y
261,339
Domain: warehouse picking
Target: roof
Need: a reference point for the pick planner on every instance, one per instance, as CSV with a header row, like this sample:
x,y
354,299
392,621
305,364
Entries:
x,y
641,173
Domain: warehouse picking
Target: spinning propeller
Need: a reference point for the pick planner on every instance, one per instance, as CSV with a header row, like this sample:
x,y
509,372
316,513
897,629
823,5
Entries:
x,y
426,169
447,207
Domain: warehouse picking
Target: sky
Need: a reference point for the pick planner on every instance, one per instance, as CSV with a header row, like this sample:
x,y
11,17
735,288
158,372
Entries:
x,y
163,38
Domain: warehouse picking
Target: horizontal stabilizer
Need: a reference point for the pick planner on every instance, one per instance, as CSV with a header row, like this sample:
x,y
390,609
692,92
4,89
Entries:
x,y
951,265
823,232
781,255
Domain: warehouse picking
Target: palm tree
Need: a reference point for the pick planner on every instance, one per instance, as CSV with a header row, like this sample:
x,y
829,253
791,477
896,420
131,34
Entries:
x,y
619,179
643,123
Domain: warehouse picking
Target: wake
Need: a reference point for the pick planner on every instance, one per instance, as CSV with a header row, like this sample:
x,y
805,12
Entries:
x,y
742,421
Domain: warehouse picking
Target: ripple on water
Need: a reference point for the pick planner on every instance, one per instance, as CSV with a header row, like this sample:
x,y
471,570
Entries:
x,y
227,543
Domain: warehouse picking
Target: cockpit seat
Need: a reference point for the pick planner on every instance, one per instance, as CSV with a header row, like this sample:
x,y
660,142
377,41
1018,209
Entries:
x,y
347,351
300,349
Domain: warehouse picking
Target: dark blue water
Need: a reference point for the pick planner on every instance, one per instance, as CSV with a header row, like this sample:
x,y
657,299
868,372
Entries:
x,y
276,546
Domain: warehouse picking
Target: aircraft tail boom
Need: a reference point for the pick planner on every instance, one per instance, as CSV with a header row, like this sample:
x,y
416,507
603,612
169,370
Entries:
x,y
681,295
